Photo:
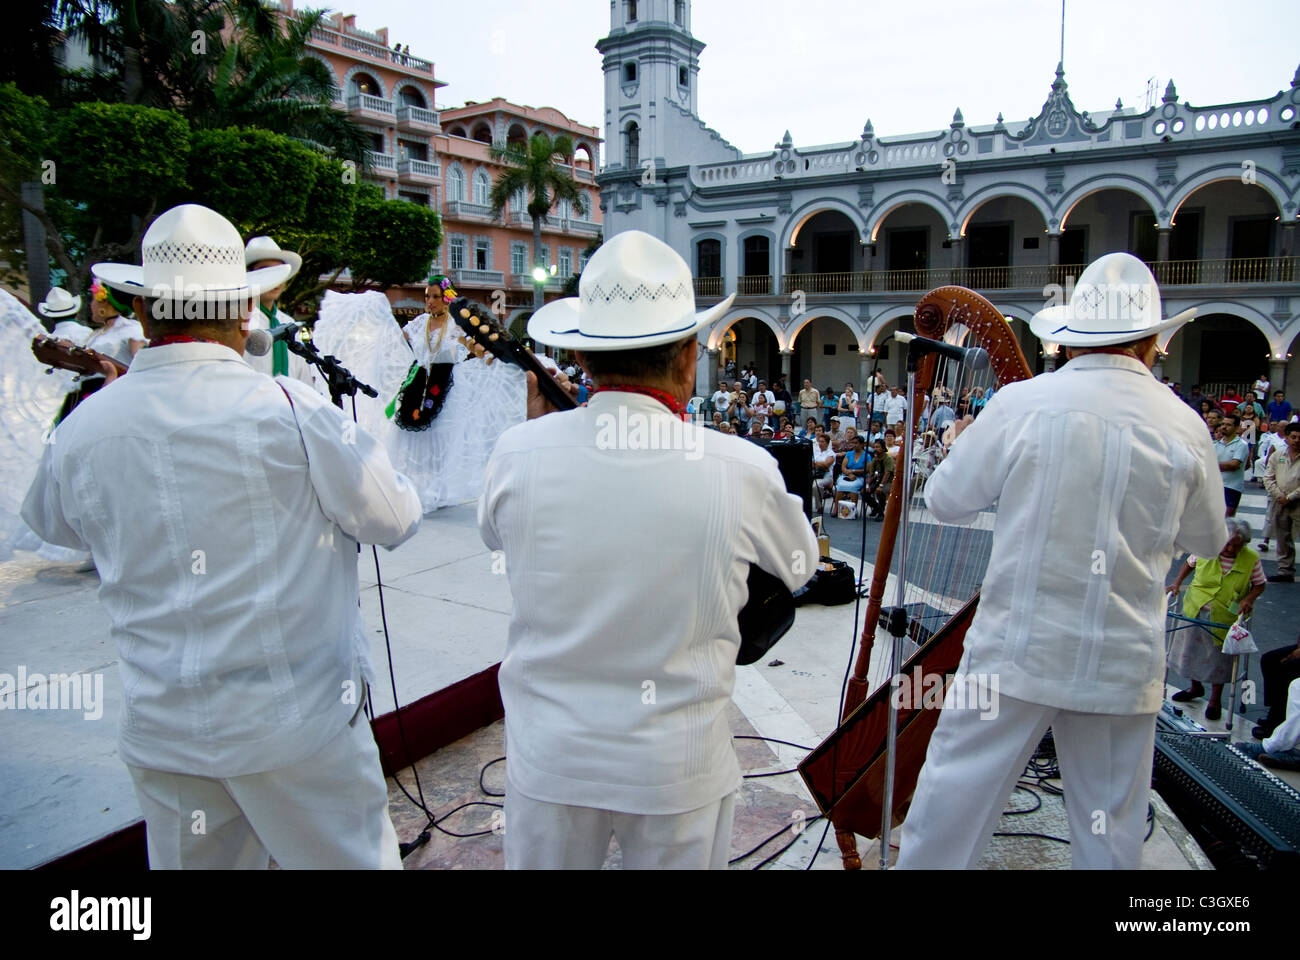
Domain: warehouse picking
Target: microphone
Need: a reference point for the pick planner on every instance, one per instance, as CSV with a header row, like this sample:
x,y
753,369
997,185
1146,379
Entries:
x,y
975,358
260,341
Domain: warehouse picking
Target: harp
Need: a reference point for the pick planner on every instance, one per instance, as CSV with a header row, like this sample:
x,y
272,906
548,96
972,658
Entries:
x,y
941,568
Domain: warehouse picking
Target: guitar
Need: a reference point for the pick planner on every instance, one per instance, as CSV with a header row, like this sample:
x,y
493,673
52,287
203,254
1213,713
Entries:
x,y
63,355
769,611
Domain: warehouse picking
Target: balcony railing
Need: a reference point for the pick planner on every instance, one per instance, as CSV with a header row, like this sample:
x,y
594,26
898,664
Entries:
x,y
376,51
365,103
525,281
382,162
583,228
1236,270
411,116
422,169
477,278
1030,276
754,286
708,286
463,208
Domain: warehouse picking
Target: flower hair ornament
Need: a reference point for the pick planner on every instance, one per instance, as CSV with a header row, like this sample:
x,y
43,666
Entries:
x,y
442,283
102,292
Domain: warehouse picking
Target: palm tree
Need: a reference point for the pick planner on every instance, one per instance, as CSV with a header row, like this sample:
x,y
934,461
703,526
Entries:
x,y
534,169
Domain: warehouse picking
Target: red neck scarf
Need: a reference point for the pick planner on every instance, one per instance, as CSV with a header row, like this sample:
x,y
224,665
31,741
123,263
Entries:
x,y
180,338
667,399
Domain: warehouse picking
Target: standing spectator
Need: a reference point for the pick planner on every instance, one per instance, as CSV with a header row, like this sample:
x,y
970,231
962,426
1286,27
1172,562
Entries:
x,y
809,399
880,402
1205,408
1223,588
1228,402
1261,386
1279,409
848,403
783,403
1282,481
1247,431
1233,454
943,415
721,399
829,402
753,378
1271,442
1194,398
761,404
762,389
740,412
895,407
1253,403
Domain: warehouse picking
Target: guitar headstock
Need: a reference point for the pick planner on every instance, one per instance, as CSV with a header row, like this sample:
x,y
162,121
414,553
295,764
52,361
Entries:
x,y
485,330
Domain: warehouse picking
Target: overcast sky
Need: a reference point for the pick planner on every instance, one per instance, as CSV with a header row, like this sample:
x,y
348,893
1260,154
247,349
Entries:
x,y
820,68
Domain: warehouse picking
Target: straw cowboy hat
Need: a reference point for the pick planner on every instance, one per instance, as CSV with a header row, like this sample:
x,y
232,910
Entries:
x,y
264,248
191,253
1115,301
636,291
58,303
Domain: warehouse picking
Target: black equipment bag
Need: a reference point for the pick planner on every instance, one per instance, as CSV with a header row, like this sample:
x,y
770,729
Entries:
x,y
829,587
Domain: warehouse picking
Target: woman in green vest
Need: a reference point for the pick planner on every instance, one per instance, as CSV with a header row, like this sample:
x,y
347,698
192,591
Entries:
x,y
1223,588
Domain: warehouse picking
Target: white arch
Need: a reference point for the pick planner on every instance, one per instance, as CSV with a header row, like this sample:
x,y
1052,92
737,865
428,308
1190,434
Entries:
x,y
402,85
834,313
795,222
995,191
1224,172
1110,181
877,326
895,200
1252,315
371,72
732,317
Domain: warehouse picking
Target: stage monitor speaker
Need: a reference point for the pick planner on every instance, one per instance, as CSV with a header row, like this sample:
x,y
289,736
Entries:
x,y
794,459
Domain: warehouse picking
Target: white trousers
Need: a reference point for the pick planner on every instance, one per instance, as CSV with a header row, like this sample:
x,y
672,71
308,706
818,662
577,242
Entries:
x,y
1287,735
553,836
328,812
973,764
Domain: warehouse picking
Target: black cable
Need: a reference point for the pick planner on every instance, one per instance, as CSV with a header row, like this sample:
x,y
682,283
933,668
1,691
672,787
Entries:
x,y
486,791
747,736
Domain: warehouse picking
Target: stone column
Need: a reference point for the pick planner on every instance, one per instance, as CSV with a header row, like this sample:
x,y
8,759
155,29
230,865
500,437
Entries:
x,y
1276,377
1054,249
1163,235
785,368
958,258
38,256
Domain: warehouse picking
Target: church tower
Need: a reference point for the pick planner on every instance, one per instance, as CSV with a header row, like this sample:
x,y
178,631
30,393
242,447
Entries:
x,y
651,65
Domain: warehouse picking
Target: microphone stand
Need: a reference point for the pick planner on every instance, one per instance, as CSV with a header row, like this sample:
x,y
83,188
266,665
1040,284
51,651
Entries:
x,y
340,380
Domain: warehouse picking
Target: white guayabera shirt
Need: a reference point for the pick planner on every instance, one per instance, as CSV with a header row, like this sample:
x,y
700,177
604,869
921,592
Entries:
x,y
622,650
224,524
1098,472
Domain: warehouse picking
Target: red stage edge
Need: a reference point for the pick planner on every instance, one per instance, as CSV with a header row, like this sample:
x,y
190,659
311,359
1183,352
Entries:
x,y
430,723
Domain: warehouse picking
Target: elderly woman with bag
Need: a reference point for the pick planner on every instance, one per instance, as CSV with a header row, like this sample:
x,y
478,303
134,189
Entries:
x,y
1223,588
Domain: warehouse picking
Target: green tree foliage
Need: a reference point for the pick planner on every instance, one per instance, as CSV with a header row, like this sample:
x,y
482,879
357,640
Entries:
x,y
393,241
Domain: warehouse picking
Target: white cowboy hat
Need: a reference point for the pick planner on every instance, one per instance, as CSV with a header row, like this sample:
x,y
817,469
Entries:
x,y
191,253
58,303
636,291
264,248
1115,301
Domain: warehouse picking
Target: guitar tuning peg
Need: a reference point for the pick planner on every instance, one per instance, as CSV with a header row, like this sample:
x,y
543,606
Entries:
x,y
493,336
484,328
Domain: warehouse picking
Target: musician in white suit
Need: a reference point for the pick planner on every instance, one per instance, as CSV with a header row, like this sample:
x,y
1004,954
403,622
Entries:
x,y
224,511
279,361
1098,472
621,657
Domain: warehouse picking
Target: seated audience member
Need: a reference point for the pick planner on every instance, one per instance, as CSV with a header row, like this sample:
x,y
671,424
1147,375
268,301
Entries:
x,y
1281,668
853,469
1282,747
717,421
809,431
756,429
882,479
892,445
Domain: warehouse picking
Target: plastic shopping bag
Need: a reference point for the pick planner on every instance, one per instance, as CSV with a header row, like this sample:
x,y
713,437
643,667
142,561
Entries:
x,y
1239,640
